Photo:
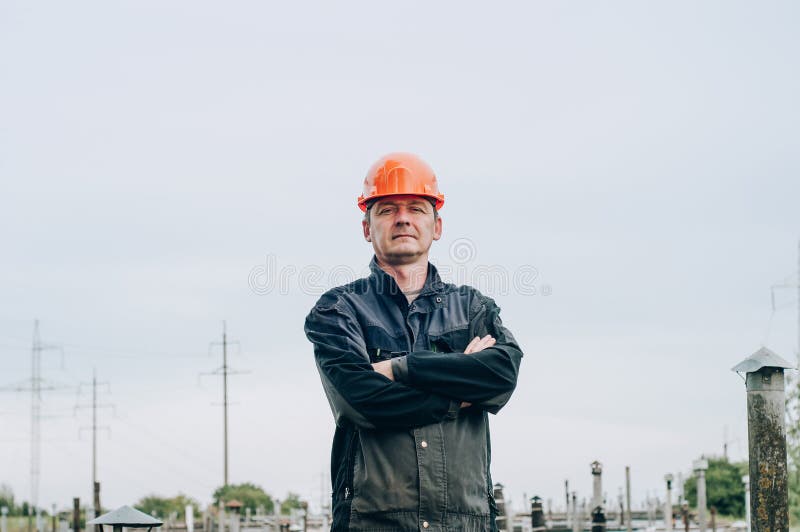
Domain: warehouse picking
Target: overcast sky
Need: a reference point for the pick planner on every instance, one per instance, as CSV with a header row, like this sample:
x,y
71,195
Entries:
x,y
163,165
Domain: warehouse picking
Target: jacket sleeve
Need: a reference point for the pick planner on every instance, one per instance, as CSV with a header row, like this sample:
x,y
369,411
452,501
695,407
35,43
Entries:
x,y
485,379
355,391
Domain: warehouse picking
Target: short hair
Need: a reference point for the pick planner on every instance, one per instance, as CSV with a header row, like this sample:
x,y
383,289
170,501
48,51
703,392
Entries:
x,y
371,203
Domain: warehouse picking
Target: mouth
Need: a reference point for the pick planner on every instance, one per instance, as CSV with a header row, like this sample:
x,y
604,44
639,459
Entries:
x,y
402,236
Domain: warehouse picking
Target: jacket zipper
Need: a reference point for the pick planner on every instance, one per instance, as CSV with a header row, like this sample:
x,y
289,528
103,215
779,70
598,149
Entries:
x,y
351,452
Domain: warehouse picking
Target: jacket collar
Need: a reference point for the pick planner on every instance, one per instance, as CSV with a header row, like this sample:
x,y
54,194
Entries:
x,y
384,281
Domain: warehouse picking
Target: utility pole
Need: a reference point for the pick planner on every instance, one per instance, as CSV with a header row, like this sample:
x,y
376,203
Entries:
x,y
225,392
94,428
224,371
36,413
36,385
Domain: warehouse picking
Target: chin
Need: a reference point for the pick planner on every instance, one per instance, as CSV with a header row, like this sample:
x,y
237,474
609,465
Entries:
x,y
402,256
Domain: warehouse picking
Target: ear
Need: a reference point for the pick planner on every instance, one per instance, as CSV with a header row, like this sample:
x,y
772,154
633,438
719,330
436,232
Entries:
x,y
437,228
365,228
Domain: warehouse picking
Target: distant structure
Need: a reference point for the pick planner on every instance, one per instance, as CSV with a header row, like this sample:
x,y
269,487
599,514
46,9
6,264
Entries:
x,y
500,502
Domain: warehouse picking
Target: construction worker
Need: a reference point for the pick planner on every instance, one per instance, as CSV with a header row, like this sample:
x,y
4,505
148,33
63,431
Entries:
x,y
411,367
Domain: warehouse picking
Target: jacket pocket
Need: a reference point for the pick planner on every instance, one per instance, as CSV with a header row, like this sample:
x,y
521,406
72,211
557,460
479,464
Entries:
x,y
382,345
454,341
385,472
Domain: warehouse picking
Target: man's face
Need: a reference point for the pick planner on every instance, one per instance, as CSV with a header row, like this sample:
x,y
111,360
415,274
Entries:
x,y
402,229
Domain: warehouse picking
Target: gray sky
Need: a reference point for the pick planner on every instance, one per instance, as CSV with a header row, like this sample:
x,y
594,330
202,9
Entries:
x,y
642,157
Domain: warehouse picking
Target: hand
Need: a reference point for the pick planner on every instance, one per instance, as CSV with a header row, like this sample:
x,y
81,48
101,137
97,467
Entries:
x,y
479,344
384,367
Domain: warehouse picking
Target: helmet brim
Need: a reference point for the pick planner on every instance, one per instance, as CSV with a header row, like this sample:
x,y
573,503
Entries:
x,y
365,202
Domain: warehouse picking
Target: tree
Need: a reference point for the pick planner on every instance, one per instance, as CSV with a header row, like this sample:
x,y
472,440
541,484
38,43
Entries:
x,y
724,487
163,506
250,495
7,498
793,444
292,500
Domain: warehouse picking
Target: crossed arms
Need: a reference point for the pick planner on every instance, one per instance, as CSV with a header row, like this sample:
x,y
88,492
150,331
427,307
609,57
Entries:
x,y
417,389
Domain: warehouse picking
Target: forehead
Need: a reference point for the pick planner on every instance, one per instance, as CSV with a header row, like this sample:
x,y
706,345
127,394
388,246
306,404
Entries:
x,y
402,200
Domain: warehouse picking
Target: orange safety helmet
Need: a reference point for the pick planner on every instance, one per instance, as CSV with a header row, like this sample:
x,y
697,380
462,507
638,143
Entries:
x,y
400,173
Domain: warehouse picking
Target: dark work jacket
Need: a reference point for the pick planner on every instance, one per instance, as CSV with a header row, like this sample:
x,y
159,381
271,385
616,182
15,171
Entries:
x,y
405,455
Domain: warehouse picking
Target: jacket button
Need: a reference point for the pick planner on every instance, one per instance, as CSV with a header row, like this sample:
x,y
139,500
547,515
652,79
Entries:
x,y
425,524
424,444
438,299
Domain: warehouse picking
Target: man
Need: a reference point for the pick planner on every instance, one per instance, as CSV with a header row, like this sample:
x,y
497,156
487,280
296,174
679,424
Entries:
x,y
411,366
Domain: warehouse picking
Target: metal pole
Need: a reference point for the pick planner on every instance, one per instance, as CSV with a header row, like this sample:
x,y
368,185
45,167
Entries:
x,y
628,498
76,514
36,398
225,394
94,438
97,509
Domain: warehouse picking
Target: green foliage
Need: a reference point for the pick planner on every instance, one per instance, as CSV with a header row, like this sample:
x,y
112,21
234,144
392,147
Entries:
x,y
292,500
793,445
7,498
163,506
724,487
250,495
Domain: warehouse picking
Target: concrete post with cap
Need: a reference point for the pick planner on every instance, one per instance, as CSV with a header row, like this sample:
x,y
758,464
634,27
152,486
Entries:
x,y
668,504
766,431
537,515
700,467
596,510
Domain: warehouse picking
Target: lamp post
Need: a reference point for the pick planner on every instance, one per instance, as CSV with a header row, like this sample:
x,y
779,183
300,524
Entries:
x,y
127,517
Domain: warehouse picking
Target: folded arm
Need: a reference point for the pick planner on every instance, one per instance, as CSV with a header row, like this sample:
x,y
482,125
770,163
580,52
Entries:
x,y
355,391
485,378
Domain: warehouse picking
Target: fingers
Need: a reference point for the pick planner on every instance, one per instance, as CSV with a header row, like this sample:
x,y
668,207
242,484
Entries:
x,y
471,346
479,344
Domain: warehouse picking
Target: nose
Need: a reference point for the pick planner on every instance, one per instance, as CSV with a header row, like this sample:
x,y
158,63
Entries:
x,y
402,217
